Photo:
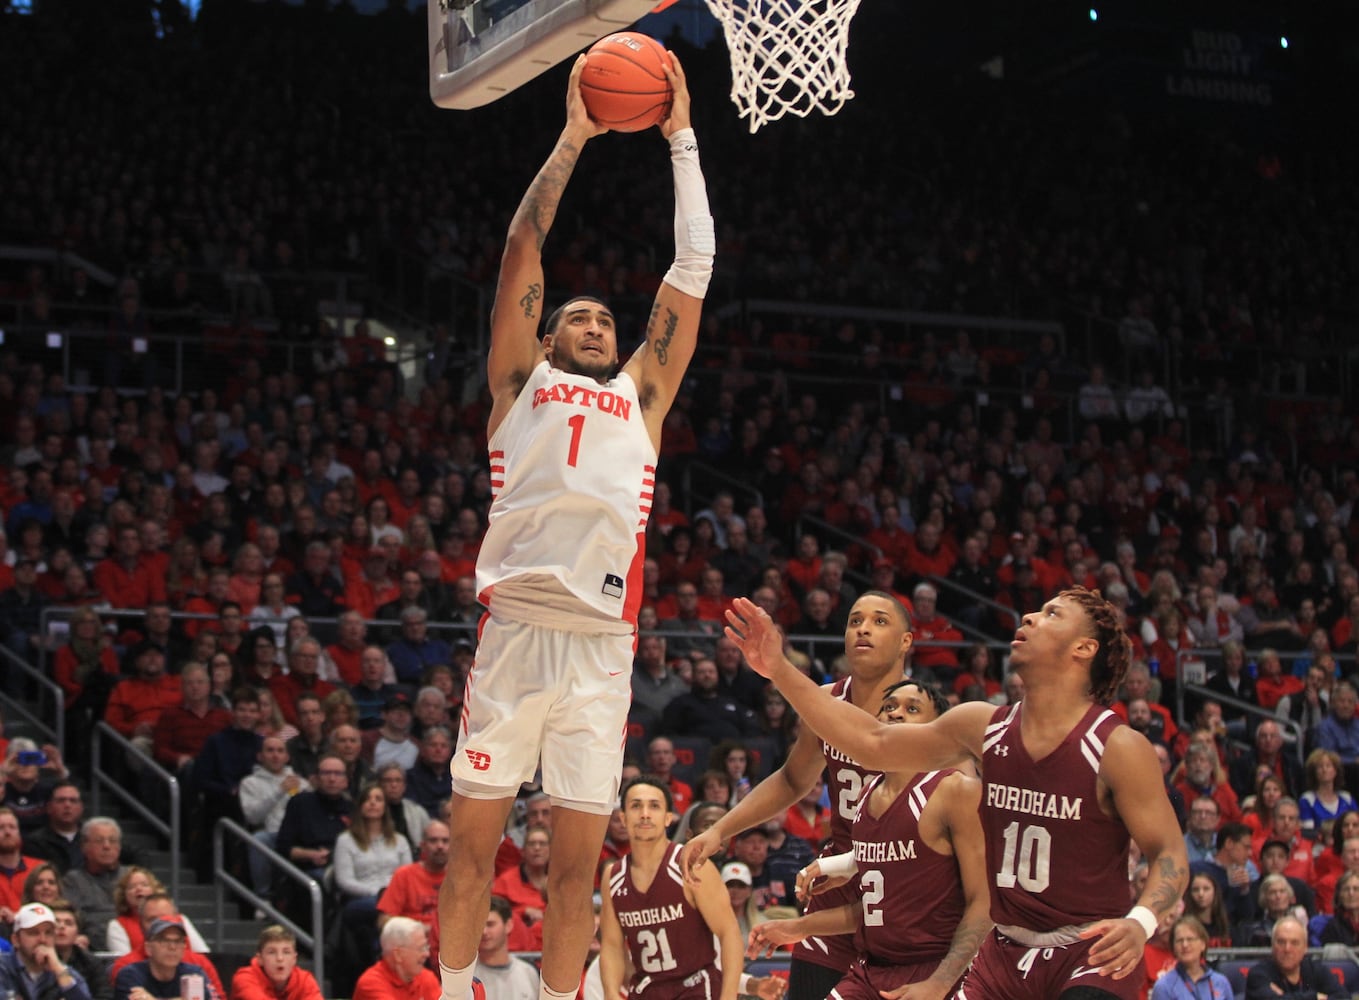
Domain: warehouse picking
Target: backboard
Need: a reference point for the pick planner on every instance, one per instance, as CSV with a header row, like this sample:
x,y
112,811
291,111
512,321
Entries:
x,y
480,50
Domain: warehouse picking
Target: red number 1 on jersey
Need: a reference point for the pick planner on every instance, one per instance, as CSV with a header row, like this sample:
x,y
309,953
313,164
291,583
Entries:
x,y
577,424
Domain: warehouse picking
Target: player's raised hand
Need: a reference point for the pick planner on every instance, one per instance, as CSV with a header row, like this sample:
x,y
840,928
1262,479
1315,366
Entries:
x,y
811,881
1120,948
679,104
577,118
765,938
751,628
696,853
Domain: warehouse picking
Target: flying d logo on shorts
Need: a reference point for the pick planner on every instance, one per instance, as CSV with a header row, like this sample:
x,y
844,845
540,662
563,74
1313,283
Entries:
x,y
479,759
613,585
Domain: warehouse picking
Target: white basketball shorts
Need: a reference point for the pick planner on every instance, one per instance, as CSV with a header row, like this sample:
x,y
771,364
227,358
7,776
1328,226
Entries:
x,y
538,693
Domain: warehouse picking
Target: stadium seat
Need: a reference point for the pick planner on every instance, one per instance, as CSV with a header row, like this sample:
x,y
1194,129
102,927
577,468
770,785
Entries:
x,y
1236,972
691,757
1346,971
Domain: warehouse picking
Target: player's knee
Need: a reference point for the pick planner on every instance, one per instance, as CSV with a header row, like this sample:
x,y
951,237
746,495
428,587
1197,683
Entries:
x,y
1087,993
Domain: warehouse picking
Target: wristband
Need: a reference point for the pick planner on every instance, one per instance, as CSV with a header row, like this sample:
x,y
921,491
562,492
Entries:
x,y
744,984
839,866
1145,918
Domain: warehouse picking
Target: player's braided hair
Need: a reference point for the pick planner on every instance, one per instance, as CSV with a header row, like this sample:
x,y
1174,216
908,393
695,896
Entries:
x,y
1115,651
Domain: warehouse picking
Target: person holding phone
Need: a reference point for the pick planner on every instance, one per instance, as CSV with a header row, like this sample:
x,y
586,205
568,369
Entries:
x,y
27,778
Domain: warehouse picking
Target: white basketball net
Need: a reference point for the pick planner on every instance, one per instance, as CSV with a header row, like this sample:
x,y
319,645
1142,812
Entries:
x,y
786,56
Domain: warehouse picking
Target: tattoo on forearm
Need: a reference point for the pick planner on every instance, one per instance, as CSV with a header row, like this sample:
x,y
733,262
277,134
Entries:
x,y
530,299
967,941
1167,890
539,206
661,345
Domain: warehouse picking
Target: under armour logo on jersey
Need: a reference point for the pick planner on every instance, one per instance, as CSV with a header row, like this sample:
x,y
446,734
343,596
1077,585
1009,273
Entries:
x,y
1001,750
613,585
479,759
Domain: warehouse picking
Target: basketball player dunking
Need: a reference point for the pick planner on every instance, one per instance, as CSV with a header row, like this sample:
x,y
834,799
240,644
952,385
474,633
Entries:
x,y
666,926
573,444
923,907
877,637
1064,785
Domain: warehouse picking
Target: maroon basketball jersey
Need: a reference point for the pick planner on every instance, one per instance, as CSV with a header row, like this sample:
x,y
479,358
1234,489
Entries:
x,y
1055,859
668,939
845,781
912,895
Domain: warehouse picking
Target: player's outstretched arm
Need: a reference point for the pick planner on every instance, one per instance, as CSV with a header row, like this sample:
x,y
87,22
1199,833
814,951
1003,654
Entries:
x,y
658,366
518,307
952,737
961,797
1133,775
613,952
710,896
770,798
773,934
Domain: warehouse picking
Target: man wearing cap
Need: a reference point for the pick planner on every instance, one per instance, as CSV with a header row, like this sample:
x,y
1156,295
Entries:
x,y
160,975
136,703
161,906
34,970
394,743
415,650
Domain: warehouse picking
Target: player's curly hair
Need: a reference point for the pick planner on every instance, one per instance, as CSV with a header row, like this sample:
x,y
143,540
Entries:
x,y
1115,651
930,690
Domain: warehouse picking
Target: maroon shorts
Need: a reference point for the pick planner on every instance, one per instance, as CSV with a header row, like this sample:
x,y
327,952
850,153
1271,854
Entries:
x,y
705,984
1007,970
864,981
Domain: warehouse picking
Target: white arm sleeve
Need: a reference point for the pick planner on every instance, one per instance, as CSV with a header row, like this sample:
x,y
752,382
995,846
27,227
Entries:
x,y
695,240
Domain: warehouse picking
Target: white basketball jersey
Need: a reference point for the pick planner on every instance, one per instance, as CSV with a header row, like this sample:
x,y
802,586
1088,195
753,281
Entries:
x,y
572,474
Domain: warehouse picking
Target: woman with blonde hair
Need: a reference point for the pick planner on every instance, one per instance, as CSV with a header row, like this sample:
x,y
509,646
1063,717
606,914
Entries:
x,y
1325,799
1189,943
134,887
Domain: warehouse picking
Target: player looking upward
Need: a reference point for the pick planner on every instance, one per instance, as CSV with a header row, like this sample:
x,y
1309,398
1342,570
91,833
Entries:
x,y
923,906
573,444
666,925
1064,786
877,638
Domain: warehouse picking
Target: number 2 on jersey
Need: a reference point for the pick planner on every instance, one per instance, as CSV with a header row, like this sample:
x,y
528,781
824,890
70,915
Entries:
x,y
656,955
871,884
577,424
851,786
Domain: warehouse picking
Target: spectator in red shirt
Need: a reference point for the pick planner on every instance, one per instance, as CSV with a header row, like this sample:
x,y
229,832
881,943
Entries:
x,y
304,659
1273,683
808,818
400,974
86,667
126,578
928,553
181,730
373,587
414,889
525,887
805,568
273,973
929,625
136,704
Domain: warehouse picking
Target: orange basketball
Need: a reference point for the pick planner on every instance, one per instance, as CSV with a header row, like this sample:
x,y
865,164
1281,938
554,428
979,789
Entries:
x,y
624,84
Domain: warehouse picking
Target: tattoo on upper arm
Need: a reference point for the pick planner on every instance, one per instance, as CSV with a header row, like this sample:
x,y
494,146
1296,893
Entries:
x,y
661,344
529,301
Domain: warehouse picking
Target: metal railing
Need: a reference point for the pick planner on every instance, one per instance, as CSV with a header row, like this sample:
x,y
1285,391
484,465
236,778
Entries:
x,y
26,710
99,778
697,492
223,879
1004,610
